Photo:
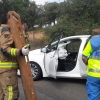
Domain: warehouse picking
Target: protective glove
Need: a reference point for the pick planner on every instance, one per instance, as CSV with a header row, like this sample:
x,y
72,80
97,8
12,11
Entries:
x,y
25,50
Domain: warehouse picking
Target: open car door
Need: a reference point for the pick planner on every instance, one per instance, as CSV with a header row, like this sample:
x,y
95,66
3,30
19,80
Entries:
x,y
51,56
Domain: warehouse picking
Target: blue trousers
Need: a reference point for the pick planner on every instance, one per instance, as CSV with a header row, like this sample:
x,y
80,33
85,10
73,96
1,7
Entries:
x,y
93,88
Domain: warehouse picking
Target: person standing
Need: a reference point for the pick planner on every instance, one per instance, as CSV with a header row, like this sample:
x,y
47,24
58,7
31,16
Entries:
x,y
25,29
91,57
8,62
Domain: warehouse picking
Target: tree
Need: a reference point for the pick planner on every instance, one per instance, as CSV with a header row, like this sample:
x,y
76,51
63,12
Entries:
x,y
41,18
51,12
78,16
30,14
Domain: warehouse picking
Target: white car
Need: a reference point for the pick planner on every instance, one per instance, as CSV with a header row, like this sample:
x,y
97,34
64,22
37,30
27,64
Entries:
x,y
45,62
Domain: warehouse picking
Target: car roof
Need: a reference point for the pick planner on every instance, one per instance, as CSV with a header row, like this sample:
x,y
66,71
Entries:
x,y
76,36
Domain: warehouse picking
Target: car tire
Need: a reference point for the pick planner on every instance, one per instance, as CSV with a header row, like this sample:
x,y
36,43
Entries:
x,y
36,71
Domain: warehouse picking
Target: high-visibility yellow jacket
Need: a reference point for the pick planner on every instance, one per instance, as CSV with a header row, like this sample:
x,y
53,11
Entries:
x,y
8,52
92,53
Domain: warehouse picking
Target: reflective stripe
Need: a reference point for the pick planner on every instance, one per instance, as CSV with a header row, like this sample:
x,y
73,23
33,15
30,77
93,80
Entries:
x,y
10,93
95,58
13,52
8,65
93,70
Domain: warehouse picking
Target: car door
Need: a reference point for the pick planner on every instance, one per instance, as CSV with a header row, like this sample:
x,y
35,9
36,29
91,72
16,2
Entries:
x,y
51,56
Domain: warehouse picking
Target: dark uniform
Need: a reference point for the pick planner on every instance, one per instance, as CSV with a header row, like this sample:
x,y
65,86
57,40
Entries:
x,y
26,36
8,65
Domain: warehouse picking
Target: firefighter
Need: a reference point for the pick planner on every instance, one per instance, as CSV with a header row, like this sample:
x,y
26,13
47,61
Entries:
x,y
25,28
8,63
91,57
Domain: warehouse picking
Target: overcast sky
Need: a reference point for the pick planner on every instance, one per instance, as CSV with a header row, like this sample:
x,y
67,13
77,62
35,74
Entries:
x,y
38,2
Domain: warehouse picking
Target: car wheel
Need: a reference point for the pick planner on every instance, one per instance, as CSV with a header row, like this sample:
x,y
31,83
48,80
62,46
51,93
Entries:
x,y
36,71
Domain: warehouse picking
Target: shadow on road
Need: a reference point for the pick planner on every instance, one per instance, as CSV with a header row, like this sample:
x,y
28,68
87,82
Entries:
x,y
65,80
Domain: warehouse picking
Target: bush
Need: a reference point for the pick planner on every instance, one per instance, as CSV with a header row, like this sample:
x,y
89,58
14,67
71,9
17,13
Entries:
x,y
39,43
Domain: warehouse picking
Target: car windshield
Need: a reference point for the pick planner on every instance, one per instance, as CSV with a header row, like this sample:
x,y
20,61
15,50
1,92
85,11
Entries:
x,y
54,43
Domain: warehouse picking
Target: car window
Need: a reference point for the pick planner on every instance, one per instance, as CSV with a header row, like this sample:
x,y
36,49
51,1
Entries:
x,y
71,45
74,45
61,44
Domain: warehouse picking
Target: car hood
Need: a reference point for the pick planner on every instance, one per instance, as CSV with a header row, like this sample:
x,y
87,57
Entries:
x,y
37,51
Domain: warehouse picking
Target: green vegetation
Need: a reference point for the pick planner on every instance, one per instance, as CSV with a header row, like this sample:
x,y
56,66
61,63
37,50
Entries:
x,y
74,17
39,43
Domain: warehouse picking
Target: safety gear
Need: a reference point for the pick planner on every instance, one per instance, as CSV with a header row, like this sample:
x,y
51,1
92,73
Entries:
x,y
8,65
93,89
25,50
26,35
8,52
62,53
9,82
92,52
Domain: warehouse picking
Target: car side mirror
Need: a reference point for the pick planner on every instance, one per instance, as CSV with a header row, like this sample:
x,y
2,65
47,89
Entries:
x,y
43,50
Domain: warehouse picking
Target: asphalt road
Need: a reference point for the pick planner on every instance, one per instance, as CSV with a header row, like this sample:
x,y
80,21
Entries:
x,y
58,89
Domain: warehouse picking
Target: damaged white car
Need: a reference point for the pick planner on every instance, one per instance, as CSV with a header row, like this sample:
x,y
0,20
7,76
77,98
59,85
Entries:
x,y
51,61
